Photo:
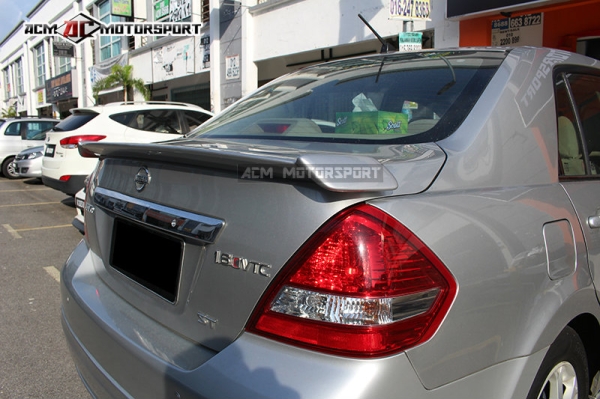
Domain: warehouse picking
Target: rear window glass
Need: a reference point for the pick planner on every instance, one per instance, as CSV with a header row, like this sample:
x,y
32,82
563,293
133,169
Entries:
x,y
75,121
404,98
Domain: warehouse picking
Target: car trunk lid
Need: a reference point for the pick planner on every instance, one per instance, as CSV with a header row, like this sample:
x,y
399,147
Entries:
x,y
192,234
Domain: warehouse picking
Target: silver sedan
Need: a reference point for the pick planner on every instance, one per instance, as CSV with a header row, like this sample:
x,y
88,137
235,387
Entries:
x,y
406,225
28,163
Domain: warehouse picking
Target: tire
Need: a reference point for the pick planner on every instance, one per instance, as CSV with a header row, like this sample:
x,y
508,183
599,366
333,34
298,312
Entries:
x,y
8,169
564,371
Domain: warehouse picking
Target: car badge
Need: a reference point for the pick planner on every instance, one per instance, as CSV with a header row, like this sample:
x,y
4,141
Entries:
x,y
142,178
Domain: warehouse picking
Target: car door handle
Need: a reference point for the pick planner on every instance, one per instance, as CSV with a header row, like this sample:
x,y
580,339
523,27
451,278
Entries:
x,y
594,222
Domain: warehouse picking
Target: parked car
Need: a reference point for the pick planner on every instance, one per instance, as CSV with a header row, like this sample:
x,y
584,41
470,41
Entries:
x,y
65,170
441,242
18,134
28,163
78,220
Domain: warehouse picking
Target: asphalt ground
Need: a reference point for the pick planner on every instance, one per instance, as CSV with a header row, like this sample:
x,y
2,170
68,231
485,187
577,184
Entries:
x,y
36,237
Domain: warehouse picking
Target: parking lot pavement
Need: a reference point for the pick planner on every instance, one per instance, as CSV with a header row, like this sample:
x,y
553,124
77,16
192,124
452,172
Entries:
x,y
36,237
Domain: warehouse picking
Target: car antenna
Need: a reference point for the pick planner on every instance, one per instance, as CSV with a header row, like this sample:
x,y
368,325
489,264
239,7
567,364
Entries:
x,y
385,48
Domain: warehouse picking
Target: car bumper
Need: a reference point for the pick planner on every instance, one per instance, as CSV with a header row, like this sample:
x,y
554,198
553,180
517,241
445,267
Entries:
x,y
121,353
29,168
69,187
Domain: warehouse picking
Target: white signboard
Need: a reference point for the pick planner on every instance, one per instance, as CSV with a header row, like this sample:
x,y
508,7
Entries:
x,y
173,60
524,30
232,67
410,10
410,41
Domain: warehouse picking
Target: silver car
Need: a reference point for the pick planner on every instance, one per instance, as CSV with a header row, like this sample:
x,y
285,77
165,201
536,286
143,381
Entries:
x,y
28,163
403,225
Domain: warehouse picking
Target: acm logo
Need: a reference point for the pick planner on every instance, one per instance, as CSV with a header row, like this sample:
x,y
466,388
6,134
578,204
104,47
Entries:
x,y
79,28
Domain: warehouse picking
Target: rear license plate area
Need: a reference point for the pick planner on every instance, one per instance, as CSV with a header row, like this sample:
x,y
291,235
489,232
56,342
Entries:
x,y
150,258
50,150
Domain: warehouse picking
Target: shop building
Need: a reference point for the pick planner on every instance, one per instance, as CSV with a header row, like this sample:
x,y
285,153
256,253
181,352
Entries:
x,y
241,46
571,25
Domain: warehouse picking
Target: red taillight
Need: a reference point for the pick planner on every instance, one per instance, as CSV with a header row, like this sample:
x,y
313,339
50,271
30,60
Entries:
x,y
362,286
73,141
65,178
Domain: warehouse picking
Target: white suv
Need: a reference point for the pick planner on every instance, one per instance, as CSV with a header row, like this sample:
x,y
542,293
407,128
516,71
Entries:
x,y
18,134
64,169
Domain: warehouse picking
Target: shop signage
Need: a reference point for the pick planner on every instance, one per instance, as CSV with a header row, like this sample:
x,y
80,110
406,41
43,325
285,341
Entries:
x,y
410,9
180,10
410,41
59,88
63,49
122,8
232,67
524,30
161,9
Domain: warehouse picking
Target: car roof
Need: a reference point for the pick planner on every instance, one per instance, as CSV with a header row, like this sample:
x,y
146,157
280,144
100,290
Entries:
x,y
139,105
40,118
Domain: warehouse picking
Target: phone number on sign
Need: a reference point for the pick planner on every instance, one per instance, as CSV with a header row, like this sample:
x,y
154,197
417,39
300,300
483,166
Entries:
x,y
517,22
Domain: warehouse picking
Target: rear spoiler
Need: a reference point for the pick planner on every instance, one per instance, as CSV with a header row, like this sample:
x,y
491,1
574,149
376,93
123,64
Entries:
x,y
331,171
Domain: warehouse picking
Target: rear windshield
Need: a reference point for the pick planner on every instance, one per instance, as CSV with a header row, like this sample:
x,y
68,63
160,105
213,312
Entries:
x,y
404,98
74,121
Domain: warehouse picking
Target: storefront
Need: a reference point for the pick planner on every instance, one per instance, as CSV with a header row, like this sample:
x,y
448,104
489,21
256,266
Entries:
x,y
569,25
60,92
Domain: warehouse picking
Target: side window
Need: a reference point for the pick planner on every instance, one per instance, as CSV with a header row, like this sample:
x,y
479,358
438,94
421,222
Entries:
x,y
37,130
157,120
125,118
195,119
14,129
586,95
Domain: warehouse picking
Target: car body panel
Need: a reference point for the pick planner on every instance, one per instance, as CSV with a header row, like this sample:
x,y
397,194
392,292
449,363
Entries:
x,y
484,198
30,167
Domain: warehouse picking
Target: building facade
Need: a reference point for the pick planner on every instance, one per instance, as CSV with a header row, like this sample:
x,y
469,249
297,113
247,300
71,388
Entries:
x,y
241,45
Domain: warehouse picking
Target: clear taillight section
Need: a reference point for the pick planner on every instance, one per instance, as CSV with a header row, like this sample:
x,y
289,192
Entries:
x,y
362,286
73,141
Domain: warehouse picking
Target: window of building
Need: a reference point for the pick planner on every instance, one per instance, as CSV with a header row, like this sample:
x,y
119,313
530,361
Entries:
x,y
40,65
110,46
63,64
19,77
205,11
6,83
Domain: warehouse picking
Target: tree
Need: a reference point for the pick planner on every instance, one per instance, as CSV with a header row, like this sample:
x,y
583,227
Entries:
x,y
121,76
10,112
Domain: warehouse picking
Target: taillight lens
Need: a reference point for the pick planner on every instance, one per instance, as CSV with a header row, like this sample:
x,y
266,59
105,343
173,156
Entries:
x,y
362,286
73,141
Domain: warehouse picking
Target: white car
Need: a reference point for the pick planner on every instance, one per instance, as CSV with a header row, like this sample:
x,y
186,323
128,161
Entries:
x,y
64,169
18,134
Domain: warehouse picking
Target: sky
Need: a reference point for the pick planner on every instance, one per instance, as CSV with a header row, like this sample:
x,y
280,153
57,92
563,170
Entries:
x,y
13,11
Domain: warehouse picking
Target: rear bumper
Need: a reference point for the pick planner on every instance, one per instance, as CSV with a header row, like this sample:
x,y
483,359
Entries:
x,y
121,353
69,187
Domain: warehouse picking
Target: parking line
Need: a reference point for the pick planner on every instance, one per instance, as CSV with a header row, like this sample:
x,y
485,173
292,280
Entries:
x,y
15,232
12,231
53,272
43,228
26,189
31,204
